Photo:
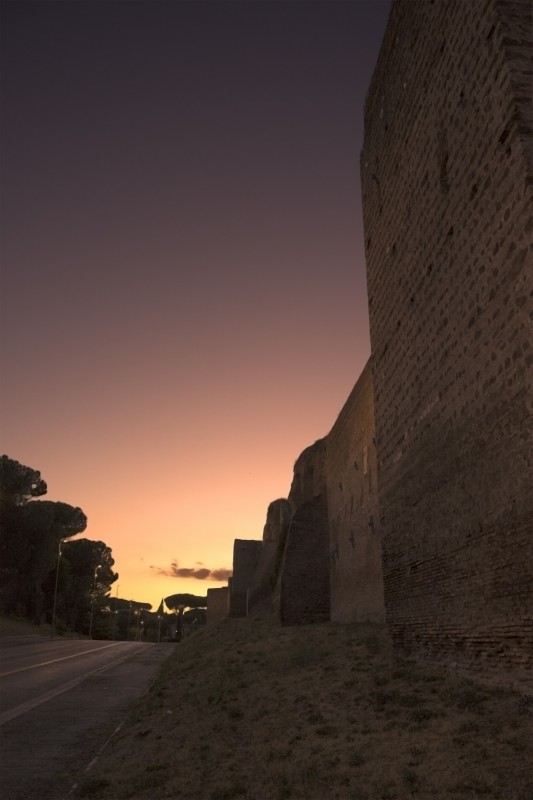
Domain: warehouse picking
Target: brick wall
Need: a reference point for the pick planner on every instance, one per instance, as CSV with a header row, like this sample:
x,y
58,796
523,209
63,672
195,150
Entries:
x,y
246,553
309,475
446,177
303,588
304,581
217,604
264,578
321,552
356,578
332,558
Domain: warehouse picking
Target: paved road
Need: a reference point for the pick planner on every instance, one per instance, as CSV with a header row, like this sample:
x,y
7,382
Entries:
x,y
59,702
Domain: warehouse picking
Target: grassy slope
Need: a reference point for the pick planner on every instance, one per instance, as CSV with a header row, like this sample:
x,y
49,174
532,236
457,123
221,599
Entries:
x,y
21,627
254,711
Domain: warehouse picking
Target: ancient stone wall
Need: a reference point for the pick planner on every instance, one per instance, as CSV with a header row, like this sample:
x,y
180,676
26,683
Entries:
x,y
266,573
217,604
302,593
321,548
356,579
304,580
446,176
309,476
246,553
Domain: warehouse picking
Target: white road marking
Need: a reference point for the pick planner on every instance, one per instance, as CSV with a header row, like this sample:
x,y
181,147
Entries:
x,y
54,660
24,707
91,764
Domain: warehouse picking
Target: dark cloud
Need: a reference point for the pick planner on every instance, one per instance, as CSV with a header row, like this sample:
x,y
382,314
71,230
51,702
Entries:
x,y
200,574
221,574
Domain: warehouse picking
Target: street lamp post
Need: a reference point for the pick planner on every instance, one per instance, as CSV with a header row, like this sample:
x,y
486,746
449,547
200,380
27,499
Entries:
x,y
136,613
115,614
56,585
92,603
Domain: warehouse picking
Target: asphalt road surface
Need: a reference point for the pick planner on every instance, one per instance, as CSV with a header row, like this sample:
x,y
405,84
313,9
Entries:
x,y
60,700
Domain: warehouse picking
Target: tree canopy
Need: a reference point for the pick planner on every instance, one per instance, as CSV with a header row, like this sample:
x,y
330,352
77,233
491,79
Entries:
x,y
19,483
179,602
85,581
47,575
31,530
38,554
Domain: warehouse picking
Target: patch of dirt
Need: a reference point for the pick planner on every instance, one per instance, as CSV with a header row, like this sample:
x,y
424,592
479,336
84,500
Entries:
x,y
248,709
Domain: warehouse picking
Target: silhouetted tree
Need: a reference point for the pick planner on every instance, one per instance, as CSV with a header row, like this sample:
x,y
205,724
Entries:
x,y
126,616
46,523
85,583
195,617
29,537
19,483
180,603
183,601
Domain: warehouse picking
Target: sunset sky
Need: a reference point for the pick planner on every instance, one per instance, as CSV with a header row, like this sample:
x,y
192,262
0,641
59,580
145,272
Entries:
x,y
183,304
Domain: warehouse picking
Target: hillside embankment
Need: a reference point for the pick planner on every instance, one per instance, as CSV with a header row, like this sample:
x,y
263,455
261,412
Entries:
x,y
250,710
21,627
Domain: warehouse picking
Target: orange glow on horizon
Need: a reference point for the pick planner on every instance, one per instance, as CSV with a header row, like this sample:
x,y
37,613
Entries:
x,y
187,503
184,299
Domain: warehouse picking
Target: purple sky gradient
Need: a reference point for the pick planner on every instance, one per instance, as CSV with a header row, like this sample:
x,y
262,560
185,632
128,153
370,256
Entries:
x,y
183,287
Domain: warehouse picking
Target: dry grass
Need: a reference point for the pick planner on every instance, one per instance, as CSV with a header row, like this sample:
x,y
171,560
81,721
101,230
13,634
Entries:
x,y
253,711
9,626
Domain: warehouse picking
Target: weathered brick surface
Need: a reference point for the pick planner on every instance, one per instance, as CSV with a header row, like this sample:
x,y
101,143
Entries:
x,y
335,488
217,604
514,29
446,175
302,593
304,582
309,476
246,553
339,563
356,578
264,578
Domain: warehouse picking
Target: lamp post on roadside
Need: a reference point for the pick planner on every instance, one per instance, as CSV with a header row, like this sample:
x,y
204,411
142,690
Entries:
x,y
56,584
92,603
115,614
